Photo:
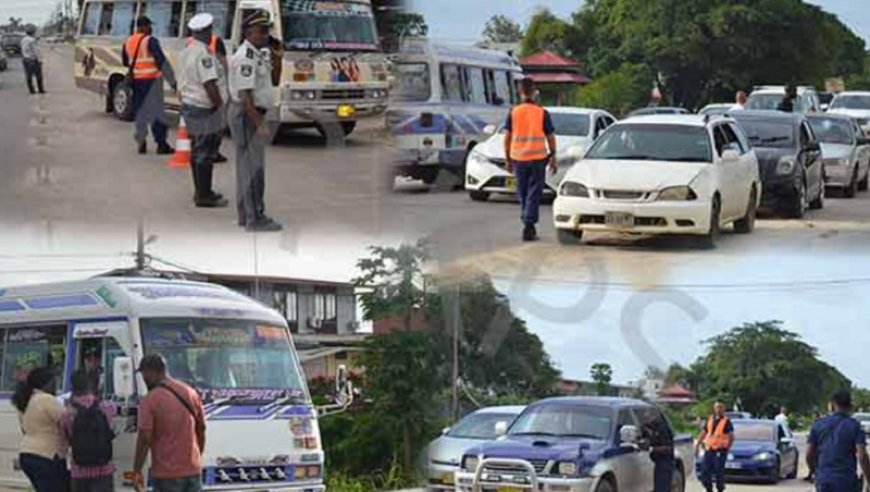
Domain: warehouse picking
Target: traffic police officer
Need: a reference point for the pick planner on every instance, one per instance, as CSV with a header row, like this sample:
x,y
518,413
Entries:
x,y
661,442
530,148
31,58
837,445
148,67
717,436
201,88
254,69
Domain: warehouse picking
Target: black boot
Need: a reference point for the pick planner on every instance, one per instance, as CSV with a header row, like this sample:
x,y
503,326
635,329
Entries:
x,y
529,233
143,148
164,148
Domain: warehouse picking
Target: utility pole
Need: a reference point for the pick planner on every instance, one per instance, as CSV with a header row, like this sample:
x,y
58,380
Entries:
x,y
455,320
140,246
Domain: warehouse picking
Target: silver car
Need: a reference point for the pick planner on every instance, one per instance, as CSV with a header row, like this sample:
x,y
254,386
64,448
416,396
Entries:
x,y
443,454
845,152
864,419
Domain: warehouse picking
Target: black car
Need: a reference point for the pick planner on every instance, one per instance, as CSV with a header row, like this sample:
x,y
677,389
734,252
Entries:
x,y
789,160
11,43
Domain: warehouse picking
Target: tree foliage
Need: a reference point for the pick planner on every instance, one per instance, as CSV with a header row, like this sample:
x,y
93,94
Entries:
x,y
601,374
764,367
500,29
392,281
618,92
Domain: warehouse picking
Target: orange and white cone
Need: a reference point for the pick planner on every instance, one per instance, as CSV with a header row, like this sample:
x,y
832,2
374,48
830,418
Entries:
x,y
181,159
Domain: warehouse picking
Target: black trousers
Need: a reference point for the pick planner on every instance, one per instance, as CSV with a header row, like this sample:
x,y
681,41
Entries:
x,y
204,149
33,70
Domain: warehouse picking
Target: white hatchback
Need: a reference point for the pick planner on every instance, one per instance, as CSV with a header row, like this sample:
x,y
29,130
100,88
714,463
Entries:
x,y
575,130
673,174
855,104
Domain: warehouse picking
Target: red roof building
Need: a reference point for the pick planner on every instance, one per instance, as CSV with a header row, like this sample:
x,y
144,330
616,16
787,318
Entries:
x,y
556,76
676,395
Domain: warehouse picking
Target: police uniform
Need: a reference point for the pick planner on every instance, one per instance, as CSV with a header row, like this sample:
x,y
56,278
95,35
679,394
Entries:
x,y
661,440
197,67
718,430
251,70
835,439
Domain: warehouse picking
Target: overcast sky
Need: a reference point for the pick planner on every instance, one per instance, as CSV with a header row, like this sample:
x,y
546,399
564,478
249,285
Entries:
x,y
463,20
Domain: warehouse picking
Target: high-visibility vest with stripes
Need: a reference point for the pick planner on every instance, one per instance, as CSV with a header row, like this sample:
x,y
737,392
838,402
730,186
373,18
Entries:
x,y
212,44
716,437
145,67
528,140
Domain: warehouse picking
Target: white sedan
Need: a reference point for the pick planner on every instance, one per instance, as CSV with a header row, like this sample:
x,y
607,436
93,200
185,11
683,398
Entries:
x,y
674,174
855,104
575,130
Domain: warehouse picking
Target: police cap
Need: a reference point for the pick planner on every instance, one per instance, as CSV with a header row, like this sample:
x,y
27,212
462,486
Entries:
x,y
257,18
200,21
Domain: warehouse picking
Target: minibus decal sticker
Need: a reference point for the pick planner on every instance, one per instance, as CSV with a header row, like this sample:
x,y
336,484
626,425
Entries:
x,y
6,306
56,302
106,296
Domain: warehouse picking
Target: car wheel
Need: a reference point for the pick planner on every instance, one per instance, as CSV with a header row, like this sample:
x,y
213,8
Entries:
x,y
794,472
747,224
122,101
709,240
775,473
852,188
605,486
678,483
864,183
819,202
569,237
799,201
479,196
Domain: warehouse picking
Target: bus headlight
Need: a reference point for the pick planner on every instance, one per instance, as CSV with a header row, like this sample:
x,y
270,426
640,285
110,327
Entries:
x,y
378,94
300,95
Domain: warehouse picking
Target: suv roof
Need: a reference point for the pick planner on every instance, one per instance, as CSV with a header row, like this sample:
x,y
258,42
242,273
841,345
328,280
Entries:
x,y
596,401
698,120
762,89
763,114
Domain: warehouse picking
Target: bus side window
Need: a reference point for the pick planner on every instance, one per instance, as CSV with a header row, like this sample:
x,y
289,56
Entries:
x,y
165,17
122,19
92,19
190,9
106,19
476,85
451,82
502,88
32,347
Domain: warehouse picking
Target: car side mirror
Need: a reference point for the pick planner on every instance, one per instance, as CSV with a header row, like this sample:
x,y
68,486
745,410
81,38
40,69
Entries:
x,y
730,155
501,428
786,440
813,146
629,435
122,377
490,129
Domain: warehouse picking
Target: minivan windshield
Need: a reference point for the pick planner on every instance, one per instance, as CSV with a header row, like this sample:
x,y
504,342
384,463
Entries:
x,y
564,421
653,142
225,354
770,101
570,125
337,25
851,102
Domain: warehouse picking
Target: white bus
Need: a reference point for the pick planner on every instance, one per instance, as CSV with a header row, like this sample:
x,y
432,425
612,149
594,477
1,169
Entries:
x,y
443,99
334,69
262,430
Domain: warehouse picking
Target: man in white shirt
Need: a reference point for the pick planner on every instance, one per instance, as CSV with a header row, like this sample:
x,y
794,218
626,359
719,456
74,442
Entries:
x,y
202,91
31,57
740,101
782,418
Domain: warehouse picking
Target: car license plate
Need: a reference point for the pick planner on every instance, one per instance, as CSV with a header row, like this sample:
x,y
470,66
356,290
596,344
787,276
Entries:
x,y
618,219
510,489
734,465
510,183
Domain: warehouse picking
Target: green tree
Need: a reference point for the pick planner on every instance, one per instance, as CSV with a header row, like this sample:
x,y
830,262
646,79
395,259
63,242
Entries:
x,y
392,282
683,376
601,374
548,32
500,29
619,91
765,367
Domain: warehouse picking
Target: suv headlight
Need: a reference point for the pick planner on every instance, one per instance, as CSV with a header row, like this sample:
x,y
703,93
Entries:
x,y
677,194
478,157
469,463
763,457
785,166
570,188
567,468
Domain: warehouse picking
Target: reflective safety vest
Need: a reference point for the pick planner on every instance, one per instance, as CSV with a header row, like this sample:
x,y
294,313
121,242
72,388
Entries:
x,y
528,140
716,438
145,67
212,44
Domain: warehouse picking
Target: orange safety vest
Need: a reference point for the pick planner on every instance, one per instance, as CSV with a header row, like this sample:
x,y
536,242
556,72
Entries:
x,y
528,140
212,44
716,438
145,67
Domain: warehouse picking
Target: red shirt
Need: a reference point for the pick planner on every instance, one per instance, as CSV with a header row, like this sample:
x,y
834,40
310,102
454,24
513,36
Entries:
x,y
175,452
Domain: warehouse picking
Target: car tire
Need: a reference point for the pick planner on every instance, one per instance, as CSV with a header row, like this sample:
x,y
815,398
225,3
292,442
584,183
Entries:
x,y
747,224
478,196
122,101
799,202
569,237
605,486
708,241
678,483
819,202
775,473
794,473
852,188
864,184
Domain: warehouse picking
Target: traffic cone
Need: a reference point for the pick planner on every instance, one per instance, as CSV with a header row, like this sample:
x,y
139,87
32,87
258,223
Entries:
x,y
181,159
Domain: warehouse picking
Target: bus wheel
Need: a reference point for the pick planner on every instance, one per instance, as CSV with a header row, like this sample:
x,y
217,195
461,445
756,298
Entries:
x,y
348,127
122,100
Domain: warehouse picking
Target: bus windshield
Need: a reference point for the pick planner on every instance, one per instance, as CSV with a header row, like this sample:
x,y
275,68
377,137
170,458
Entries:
x,y
222,355
313,25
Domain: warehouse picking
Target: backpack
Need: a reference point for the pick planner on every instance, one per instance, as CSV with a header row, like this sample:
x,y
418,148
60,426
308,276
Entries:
x,y
91,436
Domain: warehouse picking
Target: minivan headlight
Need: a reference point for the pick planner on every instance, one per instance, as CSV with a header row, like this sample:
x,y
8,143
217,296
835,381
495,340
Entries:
x,y
570,188
677,194
785,166
469,463
567,468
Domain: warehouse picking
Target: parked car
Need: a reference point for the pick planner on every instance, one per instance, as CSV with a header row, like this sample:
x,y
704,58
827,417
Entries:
x,y
769,97
676,174
738,415
763,450
575,129
574,444
11,43
444,453
717,109
789,158
845,152
864,419
658,110
855,104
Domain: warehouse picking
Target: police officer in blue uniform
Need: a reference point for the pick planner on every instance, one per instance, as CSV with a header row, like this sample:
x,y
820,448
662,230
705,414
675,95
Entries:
x,y
837,446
